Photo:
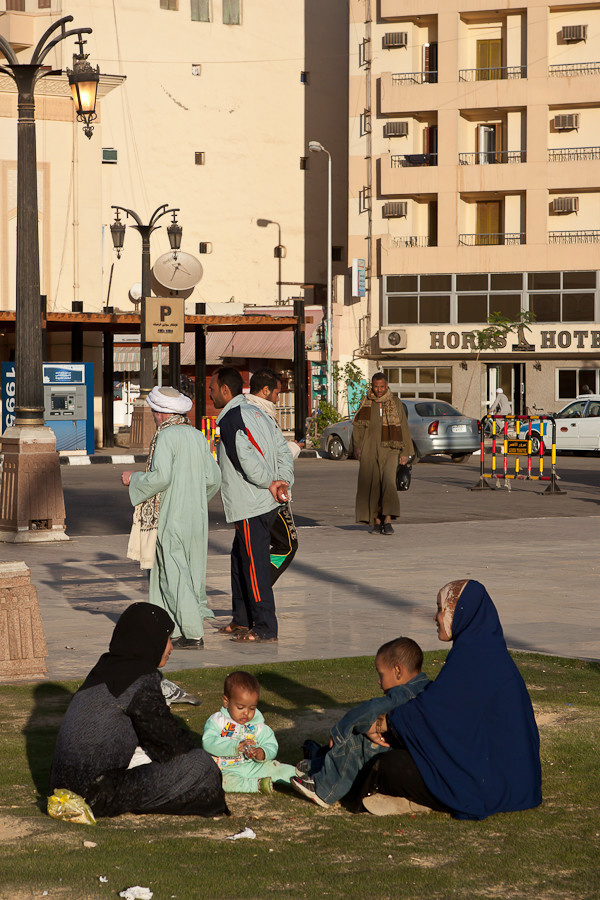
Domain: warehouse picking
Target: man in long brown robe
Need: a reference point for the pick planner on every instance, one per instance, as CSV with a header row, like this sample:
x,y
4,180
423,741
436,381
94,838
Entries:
x,y
381,439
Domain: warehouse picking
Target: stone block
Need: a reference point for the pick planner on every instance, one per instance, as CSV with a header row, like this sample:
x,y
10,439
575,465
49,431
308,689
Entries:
x,y
23,649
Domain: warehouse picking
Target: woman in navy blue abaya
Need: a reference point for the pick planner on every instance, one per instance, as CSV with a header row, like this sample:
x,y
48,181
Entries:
x,y
468,743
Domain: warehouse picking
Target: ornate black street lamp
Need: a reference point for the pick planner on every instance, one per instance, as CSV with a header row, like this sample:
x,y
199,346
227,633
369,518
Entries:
x,y
19,514
117,230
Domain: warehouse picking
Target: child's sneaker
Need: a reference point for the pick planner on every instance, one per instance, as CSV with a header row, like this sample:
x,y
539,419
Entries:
x,y
265,785
303,768
306,786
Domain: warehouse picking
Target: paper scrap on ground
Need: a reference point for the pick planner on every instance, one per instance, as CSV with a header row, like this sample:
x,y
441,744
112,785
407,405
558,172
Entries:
x,y
90,844
246,833
137,893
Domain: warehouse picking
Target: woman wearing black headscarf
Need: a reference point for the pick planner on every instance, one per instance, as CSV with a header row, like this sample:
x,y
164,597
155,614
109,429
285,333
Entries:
x,y
119,708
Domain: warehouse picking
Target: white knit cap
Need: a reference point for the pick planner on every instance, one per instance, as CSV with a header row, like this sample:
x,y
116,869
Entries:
x,y
168,400
499,391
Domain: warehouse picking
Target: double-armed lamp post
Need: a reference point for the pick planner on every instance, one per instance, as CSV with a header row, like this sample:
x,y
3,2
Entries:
x,y
31,503
142,425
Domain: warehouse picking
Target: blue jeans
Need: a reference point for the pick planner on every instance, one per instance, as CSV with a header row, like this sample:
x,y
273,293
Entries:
x,y
351,748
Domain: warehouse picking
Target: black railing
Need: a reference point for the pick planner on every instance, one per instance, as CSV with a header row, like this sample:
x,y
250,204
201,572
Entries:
x,y
574,237
573,154
414,77
490,240
413,240
413,159
491,157
567,69
495,73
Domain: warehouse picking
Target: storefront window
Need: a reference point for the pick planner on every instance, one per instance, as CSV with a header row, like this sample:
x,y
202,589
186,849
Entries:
x,y
421,381
573,382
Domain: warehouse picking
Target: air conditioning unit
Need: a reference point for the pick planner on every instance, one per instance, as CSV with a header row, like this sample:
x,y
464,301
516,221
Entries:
x,y
392,338
395,129
565,204
395,39
109,155
574,33
397,209
205,247
566,121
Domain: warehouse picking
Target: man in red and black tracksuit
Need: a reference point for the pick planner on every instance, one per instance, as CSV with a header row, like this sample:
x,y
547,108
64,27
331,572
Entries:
x,y
257,471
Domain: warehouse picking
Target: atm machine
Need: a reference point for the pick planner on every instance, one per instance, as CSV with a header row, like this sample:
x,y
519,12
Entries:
x,y
68,403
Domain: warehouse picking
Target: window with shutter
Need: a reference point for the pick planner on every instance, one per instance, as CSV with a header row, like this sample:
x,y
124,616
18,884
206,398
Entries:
x,y
232,14
200,10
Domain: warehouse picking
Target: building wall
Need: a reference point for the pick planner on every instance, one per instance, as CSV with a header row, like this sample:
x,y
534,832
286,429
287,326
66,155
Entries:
x,y
233,92
534,163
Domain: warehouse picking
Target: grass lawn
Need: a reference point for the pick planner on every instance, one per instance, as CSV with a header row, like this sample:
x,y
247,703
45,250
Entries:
x,y
302,851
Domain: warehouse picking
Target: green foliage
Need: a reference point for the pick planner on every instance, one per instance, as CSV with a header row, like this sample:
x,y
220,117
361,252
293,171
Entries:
x,y
493,337
326,415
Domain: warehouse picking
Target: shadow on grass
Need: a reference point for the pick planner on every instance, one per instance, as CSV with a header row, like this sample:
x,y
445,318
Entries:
x,y
50,701
297,695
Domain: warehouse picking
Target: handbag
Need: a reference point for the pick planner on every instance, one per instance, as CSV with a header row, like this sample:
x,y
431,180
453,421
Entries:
x,y
403,476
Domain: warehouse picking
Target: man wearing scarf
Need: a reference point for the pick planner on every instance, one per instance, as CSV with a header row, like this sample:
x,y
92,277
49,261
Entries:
x,y
381,440
170,523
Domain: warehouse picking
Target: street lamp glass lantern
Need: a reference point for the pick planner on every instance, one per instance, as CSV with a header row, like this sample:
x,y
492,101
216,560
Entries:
x,y
117,232
174,231
315,146
84,79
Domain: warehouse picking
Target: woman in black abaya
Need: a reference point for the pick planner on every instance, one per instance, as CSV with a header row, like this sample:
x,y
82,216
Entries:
x,y
118,712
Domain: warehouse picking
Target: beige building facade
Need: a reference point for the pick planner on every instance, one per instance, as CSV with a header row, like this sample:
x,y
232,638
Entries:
x,y
205,105
474,187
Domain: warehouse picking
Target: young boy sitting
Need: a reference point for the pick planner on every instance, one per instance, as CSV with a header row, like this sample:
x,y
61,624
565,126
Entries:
x,y
242,745
357,736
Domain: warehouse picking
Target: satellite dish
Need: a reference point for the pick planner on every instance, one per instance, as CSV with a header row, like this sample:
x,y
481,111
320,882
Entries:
x,y
177,271
159,290
135,293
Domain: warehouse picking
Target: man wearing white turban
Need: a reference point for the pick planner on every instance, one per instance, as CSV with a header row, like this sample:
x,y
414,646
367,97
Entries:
x,y
170,523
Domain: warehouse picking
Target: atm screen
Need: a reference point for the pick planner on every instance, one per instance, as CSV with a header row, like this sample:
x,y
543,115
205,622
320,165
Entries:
x,y
59,403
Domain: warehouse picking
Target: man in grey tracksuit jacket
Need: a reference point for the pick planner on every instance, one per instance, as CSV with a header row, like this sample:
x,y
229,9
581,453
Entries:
x,y
256,468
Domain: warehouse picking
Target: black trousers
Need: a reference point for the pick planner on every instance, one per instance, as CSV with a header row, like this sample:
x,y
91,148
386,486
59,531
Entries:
x,y
284,542
394,773
252,598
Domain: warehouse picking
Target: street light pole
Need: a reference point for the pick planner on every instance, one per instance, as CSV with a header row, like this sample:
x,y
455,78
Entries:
x,y
28,512
317,147
141,435
279,252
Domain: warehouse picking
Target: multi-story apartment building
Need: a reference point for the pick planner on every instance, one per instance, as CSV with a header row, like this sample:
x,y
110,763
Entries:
x,y
474,187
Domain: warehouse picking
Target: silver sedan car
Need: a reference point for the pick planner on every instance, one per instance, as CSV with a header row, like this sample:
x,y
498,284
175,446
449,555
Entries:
x,y
436,429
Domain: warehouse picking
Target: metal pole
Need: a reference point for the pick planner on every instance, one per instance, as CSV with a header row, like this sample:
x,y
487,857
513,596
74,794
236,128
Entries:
x,y
300,381
174,365
279,264
200,370
108,388
29,407
146,373
329,286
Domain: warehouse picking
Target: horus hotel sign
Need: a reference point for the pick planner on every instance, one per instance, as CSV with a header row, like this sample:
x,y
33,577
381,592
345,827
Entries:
x,y
536,339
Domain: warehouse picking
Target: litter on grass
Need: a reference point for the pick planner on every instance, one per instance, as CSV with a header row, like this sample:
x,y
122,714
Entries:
x,y
71,807
246,833
137,893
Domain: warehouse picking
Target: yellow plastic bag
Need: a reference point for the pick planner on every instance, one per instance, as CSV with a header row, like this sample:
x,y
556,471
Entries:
x,y
71,807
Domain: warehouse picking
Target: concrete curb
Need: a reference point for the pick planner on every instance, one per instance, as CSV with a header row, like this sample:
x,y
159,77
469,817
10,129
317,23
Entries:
x,y
128,459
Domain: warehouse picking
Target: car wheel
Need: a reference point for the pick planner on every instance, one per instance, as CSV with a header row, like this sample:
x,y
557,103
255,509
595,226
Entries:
x,y
535,445
460,457
335,447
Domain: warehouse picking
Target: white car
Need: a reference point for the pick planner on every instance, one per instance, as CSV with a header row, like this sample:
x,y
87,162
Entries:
x,y
577,426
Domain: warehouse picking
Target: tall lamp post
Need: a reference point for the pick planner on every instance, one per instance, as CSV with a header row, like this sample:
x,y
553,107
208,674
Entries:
x,y
31,496
316,147
139,433
279,252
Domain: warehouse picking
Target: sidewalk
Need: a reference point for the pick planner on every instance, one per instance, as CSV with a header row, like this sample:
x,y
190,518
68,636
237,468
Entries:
x,y
345,593
122,456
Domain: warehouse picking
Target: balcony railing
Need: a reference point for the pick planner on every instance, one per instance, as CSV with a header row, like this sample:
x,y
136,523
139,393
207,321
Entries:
x,y
413,159
413,240
491,157
489,240
573,154
574,237
496,73
414,77
566,70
